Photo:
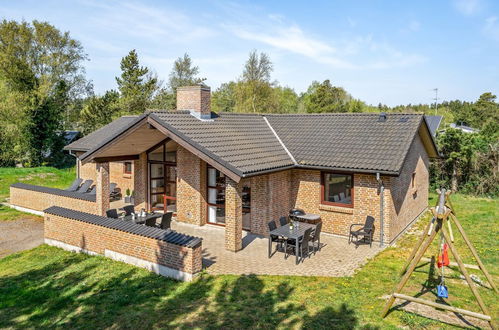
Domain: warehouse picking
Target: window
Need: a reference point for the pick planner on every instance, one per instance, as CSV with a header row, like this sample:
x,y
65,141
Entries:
x,y
337,189
127,168
216,196
413,180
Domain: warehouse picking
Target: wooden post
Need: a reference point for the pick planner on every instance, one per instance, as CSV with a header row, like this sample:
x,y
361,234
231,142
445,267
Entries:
x,y
411,268
474,252
416,248
442,306
465,273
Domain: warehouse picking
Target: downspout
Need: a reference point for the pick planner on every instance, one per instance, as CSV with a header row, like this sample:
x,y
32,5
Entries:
x,y
381,190
77,164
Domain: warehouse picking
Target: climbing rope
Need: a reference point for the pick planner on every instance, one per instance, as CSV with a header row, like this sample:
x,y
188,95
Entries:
x,y
443,260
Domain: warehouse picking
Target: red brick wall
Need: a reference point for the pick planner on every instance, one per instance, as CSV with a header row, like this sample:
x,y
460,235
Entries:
x,y
88,171
140,182
233,216
40,201
116,174
97,239
408,201
336,219
191,188
194,98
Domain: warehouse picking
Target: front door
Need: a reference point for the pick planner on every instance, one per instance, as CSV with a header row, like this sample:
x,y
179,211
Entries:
x,y
163,177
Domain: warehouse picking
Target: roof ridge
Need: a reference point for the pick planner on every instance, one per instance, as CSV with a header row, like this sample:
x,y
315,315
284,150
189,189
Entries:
x,y
280,141
262,114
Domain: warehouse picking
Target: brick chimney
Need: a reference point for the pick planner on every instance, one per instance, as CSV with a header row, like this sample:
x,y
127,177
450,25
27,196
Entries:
x,y
196,99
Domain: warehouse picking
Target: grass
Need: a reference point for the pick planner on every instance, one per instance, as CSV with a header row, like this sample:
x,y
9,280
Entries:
x,y
45,176
9,214
49,287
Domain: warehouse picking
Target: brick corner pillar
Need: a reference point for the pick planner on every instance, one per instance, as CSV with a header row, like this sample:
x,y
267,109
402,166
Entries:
x,y
233,216
102,188
140,182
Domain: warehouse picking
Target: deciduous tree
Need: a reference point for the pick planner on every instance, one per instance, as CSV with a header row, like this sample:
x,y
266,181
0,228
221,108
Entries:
x,y
41,73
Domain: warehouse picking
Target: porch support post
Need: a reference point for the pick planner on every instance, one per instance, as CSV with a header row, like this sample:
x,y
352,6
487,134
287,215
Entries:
x,y
233,216
102,188
140,182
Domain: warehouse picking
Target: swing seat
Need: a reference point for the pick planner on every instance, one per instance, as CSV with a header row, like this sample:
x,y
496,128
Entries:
x,y
442,291
443,259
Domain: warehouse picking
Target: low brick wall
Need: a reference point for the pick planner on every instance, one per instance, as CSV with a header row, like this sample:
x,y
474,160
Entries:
x,y
38,198
164,252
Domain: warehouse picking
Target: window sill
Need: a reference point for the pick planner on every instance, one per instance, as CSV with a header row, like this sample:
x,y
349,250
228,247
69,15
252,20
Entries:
x,y
338,209
127,175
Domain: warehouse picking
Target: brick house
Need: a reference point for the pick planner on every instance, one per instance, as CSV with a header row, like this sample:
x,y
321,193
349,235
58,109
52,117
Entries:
x,y
242,170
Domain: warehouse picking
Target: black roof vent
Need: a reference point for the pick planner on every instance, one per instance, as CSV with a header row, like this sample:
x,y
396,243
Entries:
x,y
382,117
404,120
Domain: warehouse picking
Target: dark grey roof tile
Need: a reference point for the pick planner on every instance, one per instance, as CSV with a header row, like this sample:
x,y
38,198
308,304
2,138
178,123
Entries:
x,y
93,139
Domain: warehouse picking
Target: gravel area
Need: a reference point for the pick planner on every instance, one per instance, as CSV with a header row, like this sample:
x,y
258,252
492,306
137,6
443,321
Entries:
x,y
21,234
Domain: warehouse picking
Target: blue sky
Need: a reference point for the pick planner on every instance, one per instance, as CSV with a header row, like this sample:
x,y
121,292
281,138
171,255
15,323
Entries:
x,y
393,52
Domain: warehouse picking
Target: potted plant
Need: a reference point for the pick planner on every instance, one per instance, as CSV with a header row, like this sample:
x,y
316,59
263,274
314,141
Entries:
x,y
129,196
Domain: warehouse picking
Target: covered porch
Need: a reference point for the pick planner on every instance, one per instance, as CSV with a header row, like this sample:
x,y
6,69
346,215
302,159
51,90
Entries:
x,y
169,175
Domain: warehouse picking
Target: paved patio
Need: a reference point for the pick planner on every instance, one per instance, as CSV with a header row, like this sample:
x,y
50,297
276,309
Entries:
x,y
337,258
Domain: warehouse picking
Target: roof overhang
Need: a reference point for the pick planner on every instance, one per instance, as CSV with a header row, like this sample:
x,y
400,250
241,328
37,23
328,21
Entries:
x,y
129,142
194,148
428,139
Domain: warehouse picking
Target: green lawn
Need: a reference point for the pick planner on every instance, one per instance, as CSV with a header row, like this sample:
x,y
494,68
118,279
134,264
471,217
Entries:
x,y
48,287
44,176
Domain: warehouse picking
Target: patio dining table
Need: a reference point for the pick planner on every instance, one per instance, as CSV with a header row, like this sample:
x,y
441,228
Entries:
x,y
296,233
140,219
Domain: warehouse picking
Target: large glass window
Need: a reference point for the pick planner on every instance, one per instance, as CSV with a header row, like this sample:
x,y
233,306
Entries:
x,y
216,196
337,189
163,177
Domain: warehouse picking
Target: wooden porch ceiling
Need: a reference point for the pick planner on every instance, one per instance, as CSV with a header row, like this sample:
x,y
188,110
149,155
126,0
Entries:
x,y
129,145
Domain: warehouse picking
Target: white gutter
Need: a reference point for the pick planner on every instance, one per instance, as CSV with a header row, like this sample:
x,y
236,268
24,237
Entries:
x,y
280,141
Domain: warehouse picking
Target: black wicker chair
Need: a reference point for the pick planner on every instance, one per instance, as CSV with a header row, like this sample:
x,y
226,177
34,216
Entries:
x,y
151,222
274,238
316,237
166,220
366,231
112,213
129,209
283,221
304,248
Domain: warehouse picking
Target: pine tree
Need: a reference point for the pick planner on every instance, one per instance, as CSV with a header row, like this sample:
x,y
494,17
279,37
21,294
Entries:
x,y
136,85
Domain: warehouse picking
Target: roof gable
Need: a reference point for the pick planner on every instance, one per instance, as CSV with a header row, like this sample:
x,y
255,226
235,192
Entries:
x,y
242,142
95,138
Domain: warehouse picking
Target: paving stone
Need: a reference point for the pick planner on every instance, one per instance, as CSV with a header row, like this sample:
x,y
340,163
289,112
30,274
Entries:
x,y
336,258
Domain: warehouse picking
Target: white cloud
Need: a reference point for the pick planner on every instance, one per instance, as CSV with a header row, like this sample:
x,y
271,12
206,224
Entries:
x,y
140,20
468,7
336,50
491,27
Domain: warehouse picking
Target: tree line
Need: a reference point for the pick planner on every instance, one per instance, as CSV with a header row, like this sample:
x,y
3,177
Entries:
x,y
44,91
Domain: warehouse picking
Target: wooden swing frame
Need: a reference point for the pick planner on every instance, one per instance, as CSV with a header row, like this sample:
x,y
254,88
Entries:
x,y
443,213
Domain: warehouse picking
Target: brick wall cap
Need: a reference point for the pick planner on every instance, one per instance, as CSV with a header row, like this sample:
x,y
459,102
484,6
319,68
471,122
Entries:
x,y
54,191
168,236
